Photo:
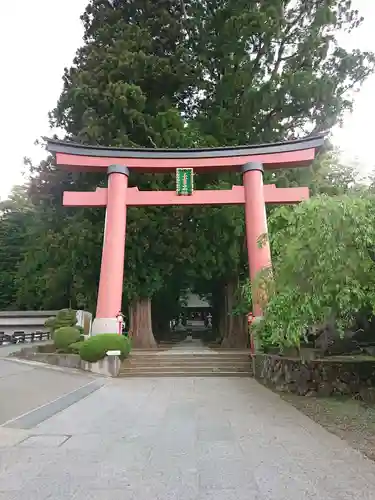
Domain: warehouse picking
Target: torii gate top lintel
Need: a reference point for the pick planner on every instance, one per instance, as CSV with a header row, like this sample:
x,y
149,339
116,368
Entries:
x,y
294,153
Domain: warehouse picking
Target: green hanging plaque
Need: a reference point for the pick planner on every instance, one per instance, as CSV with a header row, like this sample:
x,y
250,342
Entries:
x,y
184,181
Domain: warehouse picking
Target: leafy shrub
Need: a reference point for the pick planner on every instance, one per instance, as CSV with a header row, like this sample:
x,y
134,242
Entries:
x,y
64,317
65,336
95,348
323,262
50,322
81,330
75,347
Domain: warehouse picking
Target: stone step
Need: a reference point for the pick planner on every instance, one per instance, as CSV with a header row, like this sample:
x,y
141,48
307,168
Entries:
x,y
201,352
176,373
141,363
151,371
189,356
187,366
226,366
167,362
192,359
201,369
188,361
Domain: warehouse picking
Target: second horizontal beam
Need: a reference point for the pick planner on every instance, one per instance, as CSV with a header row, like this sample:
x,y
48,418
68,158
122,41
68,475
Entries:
x,y
234,196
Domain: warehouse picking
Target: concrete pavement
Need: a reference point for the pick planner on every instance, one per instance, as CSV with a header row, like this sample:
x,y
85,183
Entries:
x,y
177,438
25,386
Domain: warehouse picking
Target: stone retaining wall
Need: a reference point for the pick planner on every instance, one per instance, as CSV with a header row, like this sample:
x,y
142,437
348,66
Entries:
x,y
109,366
320,377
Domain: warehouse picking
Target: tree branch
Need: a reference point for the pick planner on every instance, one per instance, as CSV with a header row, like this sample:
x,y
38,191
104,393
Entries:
x,y
260,53
183,8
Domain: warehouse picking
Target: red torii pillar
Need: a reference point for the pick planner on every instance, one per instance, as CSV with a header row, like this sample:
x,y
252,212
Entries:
x,y
258,248
113,254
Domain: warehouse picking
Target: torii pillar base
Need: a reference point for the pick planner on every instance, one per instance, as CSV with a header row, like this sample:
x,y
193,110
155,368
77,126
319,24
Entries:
x,y
104,325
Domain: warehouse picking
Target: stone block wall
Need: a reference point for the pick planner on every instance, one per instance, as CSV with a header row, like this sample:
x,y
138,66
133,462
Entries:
x,y
110,366
319,377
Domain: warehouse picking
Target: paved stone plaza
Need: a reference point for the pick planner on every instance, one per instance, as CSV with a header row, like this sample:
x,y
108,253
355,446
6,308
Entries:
x,y
174,438
24,386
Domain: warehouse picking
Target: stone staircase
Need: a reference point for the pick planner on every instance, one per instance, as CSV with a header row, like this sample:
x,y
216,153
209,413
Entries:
x,y
187,363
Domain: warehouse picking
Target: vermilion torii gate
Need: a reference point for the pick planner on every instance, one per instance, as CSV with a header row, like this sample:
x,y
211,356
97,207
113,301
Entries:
x,y
117,163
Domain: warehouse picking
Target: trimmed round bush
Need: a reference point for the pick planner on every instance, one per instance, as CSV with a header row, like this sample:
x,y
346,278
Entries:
x,y
75,347
50,322
95,348
81,330
65,336
64,317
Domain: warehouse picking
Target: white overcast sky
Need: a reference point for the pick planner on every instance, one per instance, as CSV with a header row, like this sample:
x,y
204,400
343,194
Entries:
x,y
39,38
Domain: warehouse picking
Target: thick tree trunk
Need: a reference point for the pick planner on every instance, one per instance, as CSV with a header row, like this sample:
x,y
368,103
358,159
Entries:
x,y
223,315
236,335
141,324
160,327
160,320
219,314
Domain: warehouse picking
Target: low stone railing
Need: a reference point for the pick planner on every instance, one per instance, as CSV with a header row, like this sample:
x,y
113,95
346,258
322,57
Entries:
x,y
20,337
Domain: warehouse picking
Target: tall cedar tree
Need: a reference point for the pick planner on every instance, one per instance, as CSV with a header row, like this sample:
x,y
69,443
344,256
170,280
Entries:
x,y
125,89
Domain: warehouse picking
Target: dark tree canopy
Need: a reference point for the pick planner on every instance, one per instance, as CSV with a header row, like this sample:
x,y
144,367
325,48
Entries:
x,y
274,69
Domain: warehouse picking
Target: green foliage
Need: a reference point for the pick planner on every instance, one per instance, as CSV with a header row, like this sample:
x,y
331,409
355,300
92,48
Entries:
x,y
75,347
16,217
65,336
71,271
324,266
50,323
64,318
95,348
244,302
126,80
278,62
81,330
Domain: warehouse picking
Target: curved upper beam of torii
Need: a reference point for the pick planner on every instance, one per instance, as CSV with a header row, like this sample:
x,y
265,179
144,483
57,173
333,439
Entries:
x,y
294,153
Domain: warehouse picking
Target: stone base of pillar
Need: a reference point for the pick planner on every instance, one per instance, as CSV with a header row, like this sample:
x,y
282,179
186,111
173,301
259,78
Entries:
x,y
104,325
110,366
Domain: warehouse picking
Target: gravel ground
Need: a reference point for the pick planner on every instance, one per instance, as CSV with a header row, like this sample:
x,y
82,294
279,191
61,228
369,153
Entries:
x,y
350,419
